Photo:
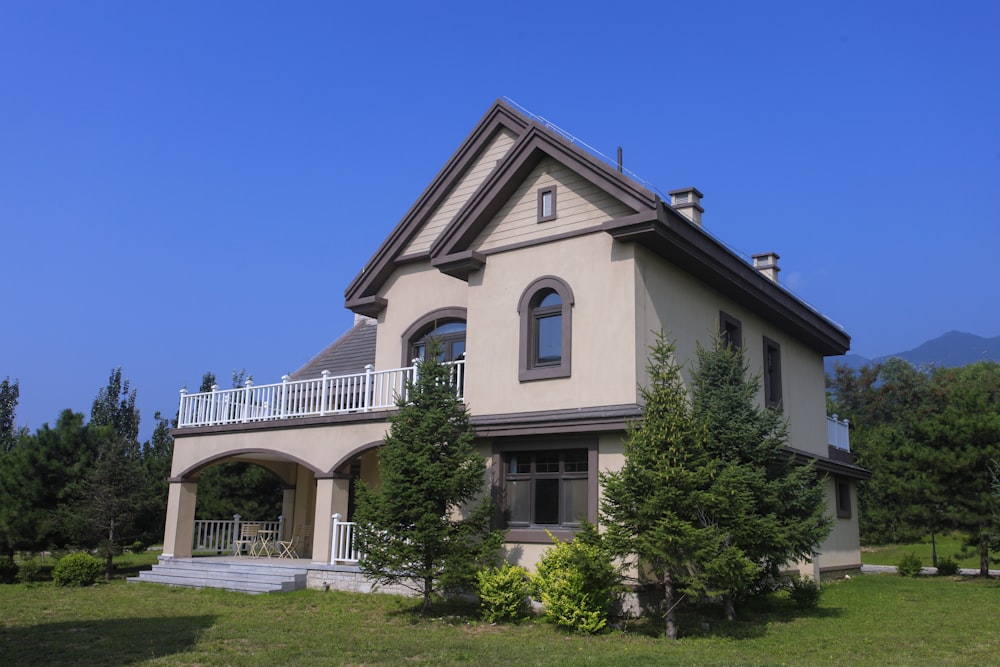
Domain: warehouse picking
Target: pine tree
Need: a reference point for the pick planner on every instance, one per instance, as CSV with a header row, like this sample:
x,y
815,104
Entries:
x,y
660,509
424,527
774,510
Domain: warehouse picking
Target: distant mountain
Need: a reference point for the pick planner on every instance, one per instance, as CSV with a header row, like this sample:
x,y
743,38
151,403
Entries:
x,y
952,349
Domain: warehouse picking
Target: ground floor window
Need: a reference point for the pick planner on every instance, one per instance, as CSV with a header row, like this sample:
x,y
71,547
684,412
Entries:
x,y
547,488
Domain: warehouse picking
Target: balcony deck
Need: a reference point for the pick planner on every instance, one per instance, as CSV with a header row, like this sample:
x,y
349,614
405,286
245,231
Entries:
x,y
317,397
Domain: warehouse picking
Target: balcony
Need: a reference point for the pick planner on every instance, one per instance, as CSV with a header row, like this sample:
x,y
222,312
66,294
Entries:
x,y
838,433
317,397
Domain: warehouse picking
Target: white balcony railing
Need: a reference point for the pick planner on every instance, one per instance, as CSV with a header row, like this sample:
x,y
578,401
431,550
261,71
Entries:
x,y
838,433
328,395
220,535
342,549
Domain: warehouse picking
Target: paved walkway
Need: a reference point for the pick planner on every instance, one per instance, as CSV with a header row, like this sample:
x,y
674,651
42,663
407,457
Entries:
x,y
891,569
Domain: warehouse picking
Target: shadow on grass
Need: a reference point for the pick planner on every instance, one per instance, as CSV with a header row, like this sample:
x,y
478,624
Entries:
x,y
119,641
754,619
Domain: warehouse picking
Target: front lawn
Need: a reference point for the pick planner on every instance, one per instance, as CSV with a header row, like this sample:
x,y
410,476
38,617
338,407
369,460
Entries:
x,y
949,545
870,619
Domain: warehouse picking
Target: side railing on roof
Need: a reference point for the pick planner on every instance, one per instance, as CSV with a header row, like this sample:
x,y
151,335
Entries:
x,y
317,397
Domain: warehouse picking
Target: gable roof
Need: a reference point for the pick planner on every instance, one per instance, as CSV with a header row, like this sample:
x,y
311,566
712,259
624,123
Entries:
x,y
361,295
653,224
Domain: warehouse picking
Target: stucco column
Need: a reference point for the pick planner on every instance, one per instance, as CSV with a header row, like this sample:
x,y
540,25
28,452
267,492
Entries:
x,y
178,533
288,511
331,498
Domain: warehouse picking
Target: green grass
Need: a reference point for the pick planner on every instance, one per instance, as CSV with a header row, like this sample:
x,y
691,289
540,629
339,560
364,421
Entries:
x,y
947,545
869,620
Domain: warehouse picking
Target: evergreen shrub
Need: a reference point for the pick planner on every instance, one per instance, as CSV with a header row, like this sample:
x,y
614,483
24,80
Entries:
x,y
30,571
947,566
503,592
78,569
576,583
805,592
909,565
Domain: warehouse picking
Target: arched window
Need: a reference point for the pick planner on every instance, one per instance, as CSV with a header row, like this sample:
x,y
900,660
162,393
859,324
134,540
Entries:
x,y
446,325
451,337
546,309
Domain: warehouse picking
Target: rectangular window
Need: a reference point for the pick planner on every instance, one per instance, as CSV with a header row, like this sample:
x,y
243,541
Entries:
x,y
843,498
772,373
730,330
547,489
547,204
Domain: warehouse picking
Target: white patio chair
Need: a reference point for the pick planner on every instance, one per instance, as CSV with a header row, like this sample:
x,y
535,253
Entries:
x,y
247,540
299,543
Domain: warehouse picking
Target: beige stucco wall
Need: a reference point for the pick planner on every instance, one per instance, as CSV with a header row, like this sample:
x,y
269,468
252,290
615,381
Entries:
x,y
687,310
601,370
319,448
841,549
413,291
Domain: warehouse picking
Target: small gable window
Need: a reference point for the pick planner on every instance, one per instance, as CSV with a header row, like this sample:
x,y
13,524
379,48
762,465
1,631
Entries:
x,y
547,204
545,311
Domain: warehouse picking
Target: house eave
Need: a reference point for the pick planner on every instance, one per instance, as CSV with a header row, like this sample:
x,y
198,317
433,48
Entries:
x,y
676,239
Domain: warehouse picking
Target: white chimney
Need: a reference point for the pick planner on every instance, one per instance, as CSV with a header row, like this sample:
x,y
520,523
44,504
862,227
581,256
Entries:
x,y
687,202
767,264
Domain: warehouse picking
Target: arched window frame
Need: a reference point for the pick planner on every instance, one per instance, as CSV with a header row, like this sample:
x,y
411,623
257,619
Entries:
x,y
528,368
426,323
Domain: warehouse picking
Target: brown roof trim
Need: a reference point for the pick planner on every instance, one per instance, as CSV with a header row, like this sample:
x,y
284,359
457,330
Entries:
x,y
554,422
369,306
381,264
828,465
675,238
534,145
460,265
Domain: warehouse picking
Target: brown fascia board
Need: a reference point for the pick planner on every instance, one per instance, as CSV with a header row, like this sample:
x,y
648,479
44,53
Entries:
x,y
828,465
461,264
382,263
595,419
675,238
535,144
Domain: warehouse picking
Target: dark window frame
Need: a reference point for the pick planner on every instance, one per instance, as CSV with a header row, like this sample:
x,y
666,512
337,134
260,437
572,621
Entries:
x,y
539,533
425,324
730,330
772,373
542,192
529,368
842,491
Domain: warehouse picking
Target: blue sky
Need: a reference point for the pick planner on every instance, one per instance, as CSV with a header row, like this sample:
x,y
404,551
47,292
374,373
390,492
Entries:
x,y
190,186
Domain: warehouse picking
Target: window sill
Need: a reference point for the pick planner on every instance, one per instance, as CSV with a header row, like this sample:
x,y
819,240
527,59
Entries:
x,y
544,373
539,535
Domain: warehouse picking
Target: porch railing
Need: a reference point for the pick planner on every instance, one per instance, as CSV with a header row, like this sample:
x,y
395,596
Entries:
x,y
220,535
342,549
838,433
328,395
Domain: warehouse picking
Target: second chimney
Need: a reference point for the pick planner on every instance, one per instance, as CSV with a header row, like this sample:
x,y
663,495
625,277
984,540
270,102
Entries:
x,y
687,202
767,264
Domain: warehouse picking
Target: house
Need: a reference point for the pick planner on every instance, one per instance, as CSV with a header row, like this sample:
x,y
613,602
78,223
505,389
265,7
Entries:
x,y
544,270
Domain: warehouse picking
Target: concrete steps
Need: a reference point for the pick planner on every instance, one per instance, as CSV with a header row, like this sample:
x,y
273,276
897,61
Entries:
x,y
244,575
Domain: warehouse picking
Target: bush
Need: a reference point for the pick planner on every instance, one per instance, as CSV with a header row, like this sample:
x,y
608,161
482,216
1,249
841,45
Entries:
x,y
137,547
947,567
805,592
503,592
31,571
79,569
8,570
575,584
909,565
